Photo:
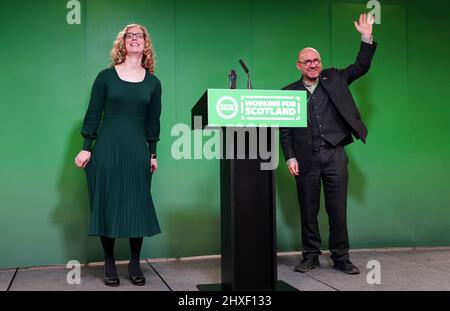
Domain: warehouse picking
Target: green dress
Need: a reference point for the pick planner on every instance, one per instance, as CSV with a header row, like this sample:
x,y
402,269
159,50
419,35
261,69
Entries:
x,y
118,173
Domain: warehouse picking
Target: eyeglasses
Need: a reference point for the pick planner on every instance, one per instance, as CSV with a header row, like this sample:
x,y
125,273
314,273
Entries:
x,y
131,35
309,62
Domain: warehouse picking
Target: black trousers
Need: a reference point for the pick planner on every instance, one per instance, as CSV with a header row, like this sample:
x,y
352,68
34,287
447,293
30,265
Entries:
x,y
328,167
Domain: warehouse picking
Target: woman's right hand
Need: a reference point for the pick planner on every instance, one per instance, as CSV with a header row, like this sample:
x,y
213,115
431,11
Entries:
x,y
82,158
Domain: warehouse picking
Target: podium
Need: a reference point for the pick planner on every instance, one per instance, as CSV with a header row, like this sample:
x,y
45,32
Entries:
x,y
247,180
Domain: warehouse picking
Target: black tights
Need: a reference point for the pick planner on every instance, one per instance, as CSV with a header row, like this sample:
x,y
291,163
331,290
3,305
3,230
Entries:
x,y
110,262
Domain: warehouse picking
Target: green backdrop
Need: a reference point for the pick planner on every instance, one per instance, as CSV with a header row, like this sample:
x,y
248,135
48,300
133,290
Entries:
x,y
398,193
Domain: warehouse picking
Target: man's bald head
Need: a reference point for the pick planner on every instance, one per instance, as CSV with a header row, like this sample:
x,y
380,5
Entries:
x,y
309,63
306,52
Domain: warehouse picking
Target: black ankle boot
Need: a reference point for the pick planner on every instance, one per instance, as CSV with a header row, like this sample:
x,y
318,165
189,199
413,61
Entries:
x,y
307,264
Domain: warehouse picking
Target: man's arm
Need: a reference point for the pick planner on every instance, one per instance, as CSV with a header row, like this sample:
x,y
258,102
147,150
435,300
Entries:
x,y
366,50
287,144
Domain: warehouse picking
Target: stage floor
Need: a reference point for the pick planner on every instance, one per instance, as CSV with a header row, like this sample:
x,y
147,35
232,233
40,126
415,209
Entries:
x,y
401,269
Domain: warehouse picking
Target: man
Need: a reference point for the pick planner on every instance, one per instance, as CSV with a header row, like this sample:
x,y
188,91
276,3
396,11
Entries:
x,y
315,154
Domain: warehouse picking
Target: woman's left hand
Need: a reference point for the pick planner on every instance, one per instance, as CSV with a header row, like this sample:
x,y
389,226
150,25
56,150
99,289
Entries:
x,y
153,165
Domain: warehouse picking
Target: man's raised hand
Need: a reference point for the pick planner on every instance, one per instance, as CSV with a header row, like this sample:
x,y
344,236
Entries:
x,y
364,26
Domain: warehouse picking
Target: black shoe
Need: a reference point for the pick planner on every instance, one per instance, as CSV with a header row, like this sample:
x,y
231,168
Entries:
x,y
307,264
346,266
138,280
110,281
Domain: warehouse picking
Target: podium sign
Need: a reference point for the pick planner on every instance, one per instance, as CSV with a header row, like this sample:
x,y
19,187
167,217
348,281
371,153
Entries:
x,y
237,108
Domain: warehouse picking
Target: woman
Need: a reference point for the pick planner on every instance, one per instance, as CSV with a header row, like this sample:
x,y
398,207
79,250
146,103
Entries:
x,y
126,99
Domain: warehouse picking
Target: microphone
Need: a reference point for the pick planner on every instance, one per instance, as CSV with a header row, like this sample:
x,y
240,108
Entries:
x,y
232,76
249,81
243,66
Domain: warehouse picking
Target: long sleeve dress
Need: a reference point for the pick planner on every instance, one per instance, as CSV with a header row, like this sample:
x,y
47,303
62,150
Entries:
x,y
123,120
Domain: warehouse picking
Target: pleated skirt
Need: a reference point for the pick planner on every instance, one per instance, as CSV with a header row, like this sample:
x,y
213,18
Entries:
x,y
119,181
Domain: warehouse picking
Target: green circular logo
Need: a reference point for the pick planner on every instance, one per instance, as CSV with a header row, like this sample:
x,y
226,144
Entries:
x,y
227,107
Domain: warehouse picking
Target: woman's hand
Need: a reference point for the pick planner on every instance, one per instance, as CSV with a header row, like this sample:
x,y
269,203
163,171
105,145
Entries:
x,y
82,158
153,165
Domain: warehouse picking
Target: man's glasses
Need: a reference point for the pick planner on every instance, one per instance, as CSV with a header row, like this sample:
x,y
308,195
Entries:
x,y
131,35
309,62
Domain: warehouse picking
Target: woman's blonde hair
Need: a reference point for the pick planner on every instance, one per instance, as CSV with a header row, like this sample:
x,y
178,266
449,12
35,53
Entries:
x,y
119,52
